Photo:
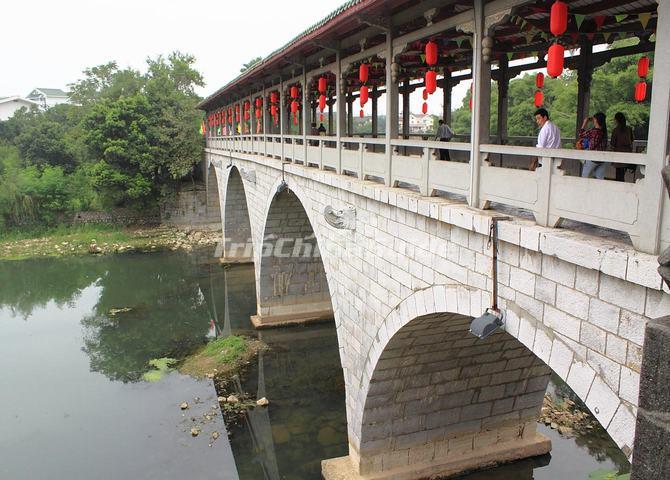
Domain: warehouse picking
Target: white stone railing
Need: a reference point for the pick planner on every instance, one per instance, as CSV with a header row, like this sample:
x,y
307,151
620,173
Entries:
x,y
551,195
549,192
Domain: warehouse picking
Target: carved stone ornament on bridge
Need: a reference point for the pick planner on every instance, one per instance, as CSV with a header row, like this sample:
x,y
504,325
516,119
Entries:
x,y
248,175
344,219
664,259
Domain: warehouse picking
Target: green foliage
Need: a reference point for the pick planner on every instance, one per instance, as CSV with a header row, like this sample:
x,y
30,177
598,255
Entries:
x,y
226,350
250,63
127,141
608,475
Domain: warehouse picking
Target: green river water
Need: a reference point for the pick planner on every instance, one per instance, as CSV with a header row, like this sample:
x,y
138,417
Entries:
x,y
73,404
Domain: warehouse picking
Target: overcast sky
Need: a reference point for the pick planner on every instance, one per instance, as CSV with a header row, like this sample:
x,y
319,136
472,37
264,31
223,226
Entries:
x,y
48,44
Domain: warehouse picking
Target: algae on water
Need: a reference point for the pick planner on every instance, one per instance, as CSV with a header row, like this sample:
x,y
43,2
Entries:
x,y
161,366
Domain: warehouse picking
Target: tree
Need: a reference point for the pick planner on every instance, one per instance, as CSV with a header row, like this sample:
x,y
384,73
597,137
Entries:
x,y
250,63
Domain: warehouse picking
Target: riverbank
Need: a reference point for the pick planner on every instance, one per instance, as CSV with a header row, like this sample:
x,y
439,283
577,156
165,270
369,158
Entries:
x,y
101,240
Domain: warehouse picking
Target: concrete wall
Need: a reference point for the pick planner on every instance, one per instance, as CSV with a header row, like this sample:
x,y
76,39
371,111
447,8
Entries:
x,y
579,304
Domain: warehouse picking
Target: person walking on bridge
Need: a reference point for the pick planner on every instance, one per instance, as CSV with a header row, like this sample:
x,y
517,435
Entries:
x,y
549,136
444,134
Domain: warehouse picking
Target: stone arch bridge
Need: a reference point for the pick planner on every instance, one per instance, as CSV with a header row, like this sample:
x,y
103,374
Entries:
x,y
403,275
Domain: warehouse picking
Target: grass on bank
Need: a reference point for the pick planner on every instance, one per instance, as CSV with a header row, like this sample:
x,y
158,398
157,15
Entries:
x,y
221,357
65,240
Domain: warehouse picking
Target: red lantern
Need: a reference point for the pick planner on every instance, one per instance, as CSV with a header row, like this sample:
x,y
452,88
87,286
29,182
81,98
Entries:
x,y
431,81
259,113
425,94
424,108
273,110
323,83
259,102
431,53
274,97
321,117
294,106
361,114
237,108
247,115
539,80
247,105
365,95
558,23
363,73
640,91
322,102
539,99
294,92
230,111
555,60
643,67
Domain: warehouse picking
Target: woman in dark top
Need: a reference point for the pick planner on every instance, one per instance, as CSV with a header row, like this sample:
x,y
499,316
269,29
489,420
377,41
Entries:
x,y
596,138
622,141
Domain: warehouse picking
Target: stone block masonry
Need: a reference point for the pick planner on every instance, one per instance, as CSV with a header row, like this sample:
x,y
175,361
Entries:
x,y
651,459
580,307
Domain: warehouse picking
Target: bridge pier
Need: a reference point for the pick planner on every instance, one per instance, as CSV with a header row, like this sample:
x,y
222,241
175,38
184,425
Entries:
x,y
442,402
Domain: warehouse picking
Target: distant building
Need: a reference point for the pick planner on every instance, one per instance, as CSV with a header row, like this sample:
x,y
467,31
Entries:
x,y
418,123
48,97
9,105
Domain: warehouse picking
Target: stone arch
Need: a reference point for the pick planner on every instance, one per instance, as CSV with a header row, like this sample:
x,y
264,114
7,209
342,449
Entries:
x,y
424,400
292,283
237,235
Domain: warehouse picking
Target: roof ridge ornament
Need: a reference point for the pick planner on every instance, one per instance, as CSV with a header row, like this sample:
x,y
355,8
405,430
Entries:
x,y
428,15
382,22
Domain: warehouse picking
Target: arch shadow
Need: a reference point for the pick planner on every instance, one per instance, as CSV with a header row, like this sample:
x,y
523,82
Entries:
x,y
453,402
292,283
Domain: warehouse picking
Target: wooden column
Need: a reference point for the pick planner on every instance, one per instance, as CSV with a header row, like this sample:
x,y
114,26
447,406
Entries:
x,y
350,114
281,117
503,100
340,110
481,74
375,120
584,76
447,87
391,106
405,109
652,195
306,112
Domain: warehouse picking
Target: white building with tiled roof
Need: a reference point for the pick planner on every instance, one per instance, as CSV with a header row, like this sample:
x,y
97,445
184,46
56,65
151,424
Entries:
x,y
9,106
48,97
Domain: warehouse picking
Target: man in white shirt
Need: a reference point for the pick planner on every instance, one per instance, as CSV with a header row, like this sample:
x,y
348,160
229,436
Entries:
x,y
549,136
444,134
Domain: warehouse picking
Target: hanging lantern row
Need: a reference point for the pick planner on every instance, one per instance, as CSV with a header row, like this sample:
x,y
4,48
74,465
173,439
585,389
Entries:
x,y
274,110
539,83
430,79
363,76
558,24
641,86
322,87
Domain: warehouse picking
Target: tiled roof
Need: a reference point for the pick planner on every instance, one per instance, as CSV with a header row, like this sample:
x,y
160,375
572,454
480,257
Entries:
x,y
338,11
52,92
